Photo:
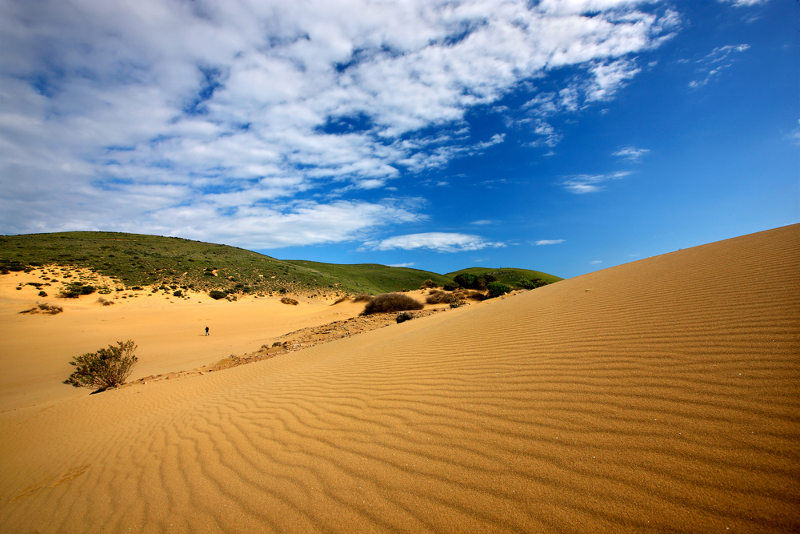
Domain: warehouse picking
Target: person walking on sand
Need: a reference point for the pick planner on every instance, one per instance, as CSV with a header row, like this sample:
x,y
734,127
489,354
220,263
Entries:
x,y
206,330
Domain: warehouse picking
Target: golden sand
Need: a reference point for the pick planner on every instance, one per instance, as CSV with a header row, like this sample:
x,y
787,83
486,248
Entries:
x,y
658,396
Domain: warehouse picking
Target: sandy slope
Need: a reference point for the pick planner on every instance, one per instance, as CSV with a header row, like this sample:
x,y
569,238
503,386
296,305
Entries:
x,y
662,395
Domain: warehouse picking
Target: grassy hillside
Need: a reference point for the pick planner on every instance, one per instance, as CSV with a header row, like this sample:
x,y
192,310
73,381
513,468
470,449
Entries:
x,y
373,278
509,276
146,261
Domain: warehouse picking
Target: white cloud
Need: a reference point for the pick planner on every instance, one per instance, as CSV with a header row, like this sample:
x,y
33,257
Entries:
x,y
631,153
715,62
743,3
588,183
596,262
438,241
411,264
549,242
236,110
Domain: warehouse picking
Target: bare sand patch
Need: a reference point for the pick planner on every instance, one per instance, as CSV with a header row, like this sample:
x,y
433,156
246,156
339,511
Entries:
x,y
658,396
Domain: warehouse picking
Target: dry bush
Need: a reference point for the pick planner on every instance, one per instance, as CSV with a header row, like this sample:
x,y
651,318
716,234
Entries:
x,y
439,297
391,302
45,309
457,303
105,368
467,294
362,297
105,302
428,284
341,299
287,300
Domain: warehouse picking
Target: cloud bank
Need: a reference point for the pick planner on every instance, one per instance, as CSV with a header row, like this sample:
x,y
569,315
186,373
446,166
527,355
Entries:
x,y
261,123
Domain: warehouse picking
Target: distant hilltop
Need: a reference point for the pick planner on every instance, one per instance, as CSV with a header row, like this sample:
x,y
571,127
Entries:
x,y
138,260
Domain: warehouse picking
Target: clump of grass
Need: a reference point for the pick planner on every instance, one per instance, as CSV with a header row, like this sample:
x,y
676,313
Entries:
x,y
362,297
287,300
391,302
341,299
45,309
439,297
105,302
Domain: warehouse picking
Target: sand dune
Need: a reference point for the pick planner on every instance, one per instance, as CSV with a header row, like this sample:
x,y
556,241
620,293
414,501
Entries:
x,y
659,396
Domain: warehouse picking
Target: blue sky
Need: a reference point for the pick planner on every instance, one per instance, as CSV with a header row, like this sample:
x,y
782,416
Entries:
x,y
562,136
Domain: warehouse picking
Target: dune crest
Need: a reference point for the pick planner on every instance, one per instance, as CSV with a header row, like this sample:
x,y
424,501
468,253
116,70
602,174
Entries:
x,y
661,395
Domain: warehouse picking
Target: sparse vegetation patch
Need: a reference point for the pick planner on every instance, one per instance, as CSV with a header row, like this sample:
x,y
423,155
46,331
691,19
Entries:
x,y
391,302
105,368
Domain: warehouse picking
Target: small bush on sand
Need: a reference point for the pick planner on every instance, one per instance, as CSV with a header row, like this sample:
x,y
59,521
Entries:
x,y
42,293
457,303
439,297
105,368
45,309
287,300
496,289
75,290
391,302
341,299
362,297
404,316
105,302
178,293
216,294
428,284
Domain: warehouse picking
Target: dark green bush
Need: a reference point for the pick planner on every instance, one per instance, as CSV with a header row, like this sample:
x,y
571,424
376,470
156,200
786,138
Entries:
x,y
496,289
105,368
466,280
42,293
216,294
178,293
391,302
75,290
450,287
532,284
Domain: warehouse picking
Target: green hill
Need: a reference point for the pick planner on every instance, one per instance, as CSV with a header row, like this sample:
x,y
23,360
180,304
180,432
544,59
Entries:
x,y
374,278
146,261
509,276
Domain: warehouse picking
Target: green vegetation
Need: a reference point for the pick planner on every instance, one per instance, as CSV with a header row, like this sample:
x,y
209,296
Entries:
x,y
373,278
497,288
75,290
391,302
178,267
105,368
515,278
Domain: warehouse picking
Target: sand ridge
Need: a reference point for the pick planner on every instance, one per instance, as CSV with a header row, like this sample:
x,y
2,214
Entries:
x,y
658,396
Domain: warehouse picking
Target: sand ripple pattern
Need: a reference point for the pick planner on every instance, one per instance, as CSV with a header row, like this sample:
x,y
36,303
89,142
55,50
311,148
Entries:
x,y
659,396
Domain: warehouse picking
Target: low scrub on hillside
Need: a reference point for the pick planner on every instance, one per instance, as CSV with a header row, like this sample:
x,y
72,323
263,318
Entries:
x,y
287,300
46,309
391,302
75,290
362,297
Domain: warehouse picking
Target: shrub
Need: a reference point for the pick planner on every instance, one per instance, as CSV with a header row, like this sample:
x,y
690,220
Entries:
x,y
342,299
44,308
287,300
496,289
75,290
466,280
532,284
456,303
404,316
178,293
42,293
428,284
216,294
105,368
105,302
391,302
439,297
362,297
450,287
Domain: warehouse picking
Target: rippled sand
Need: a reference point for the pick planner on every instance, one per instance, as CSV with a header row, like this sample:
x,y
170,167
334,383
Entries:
x,y
662,395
